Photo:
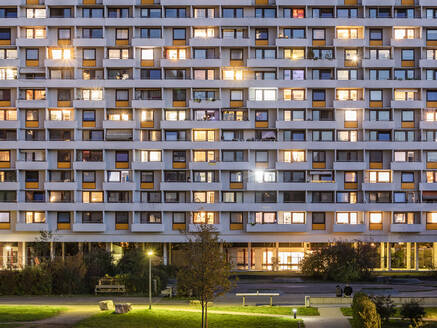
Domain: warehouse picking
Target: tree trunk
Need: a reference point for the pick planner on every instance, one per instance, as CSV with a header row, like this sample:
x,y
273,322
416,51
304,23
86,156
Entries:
x,y
203,311
206,315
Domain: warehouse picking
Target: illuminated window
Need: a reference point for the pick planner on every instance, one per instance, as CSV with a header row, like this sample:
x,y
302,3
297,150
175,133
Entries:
x,y
351,136
294,94
431,218
147,115
293,218
347,94
404,33
204,156
92,196
294,156
146,54
375,217
150,156
8,73
265,217
379,176
294,54
35,217
347,33
92,94
204,197
61,115
204,217
233,75
64,54
35,33
405,94
204,135
347,218
263,94
350,115
204,32
264,176
176,54
175,115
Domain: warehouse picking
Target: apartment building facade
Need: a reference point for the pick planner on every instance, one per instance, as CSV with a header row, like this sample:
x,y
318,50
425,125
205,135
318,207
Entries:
x,y
286,124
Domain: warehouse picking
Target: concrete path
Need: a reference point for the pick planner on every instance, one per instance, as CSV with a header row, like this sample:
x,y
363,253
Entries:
x,y
64,320
329,318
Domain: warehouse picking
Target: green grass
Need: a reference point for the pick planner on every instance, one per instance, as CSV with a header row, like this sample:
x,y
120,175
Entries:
x,y
11,313
431,312
170,319
286,310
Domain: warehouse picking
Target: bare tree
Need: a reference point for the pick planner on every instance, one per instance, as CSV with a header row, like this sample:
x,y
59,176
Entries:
x,y
206,272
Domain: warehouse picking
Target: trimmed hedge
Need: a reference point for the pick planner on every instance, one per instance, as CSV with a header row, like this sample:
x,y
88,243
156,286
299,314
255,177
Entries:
x,y
364,312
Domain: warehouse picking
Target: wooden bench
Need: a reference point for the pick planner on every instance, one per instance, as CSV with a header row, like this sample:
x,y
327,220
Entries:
x,y
109,285
244,295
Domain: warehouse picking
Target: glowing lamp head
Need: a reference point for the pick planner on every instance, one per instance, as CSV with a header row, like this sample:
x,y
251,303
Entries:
x,y
294,310
150,253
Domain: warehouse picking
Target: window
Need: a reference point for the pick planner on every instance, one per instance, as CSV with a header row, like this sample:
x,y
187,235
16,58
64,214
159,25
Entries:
x,y
318,34
431,95
265,53
232,13
92,33
176,54
61,54
204,13
347,33
179,34
91,12
404,33
118,53
263,94
121,34
405,95
261,34
319,95
150,156
204,156
118,12
232,156
35,33
92,196
265,13
294,54
294,176
150,33
35,217
265,217
347,94
292,218
294,13
204,218
32,54
204,32
323,197
347,12
346,74
347,218
407,177
407,54
294,156
406,218
431,218
8,54
204,197
294,74
175,12
150,218
293,33
318,217
379,177
64,34
33,13
232,75
431,35
150,13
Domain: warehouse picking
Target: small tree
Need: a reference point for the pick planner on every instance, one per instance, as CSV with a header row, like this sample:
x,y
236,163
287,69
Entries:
x,y
413,311
364,312
206,271
385,307
340,262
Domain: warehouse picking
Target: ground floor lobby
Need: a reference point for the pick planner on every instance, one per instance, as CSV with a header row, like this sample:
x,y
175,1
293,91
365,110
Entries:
x,y
400,256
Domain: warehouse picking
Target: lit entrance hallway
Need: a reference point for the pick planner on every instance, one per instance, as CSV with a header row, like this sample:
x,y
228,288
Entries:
x,y
329,318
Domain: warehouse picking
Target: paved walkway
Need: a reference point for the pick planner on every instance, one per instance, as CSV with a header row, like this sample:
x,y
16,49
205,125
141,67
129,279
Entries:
x,y
68,319
329,318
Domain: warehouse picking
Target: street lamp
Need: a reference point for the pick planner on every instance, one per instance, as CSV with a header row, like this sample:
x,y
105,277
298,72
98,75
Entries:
x,y
150,254
294,313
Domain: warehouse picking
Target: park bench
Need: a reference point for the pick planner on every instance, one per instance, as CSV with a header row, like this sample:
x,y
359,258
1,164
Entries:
x,y
109,285
257,294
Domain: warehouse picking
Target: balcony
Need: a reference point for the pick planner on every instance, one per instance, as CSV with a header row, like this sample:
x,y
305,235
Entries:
x,y
28,165
349,166
147,165
276,227
428,125
118,62
378,63
147,103
60,185
378,2
293,104
306,124
142,42
113,124
80,103
204,103
378,125
406,104
407,166
351,228
406,228
9,124
428,186
204,42
407,43
83,165
31,227
194,227
284,42
24,42
32,103
377,186
83,42
349,104
89,227
147,227
428,63
227,42
349,43
119,186
50,124
293,166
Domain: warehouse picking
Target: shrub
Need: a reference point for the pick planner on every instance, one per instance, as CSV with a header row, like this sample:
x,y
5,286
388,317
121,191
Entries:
x,y
9,282
364,312
340,262
412,311
98,263
68,275
385,307
34,281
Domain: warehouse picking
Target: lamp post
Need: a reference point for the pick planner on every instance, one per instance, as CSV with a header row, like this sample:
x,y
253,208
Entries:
x,y
150,254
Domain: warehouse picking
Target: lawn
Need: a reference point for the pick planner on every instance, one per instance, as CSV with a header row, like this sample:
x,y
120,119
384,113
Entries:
x,y
286,310
159,318
11,313
431,312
